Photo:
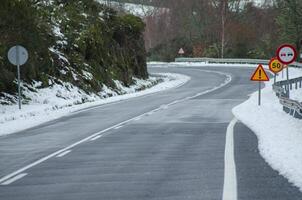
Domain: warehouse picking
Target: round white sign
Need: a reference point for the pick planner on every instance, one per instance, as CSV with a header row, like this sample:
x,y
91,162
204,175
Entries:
x,y
286,54
17,55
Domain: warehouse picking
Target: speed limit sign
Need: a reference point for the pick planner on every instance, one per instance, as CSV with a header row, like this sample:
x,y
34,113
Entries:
x,y
275,65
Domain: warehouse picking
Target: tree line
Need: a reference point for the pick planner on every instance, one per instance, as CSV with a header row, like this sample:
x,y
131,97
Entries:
x,y
221,28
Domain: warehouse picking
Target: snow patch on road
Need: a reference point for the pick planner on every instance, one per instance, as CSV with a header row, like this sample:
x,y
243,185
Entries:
x,y
279,134
60,100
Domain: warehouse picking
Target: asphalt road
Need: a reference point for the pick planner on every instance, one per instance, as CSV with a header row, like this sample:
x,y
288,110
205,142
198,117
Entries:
x,y
174,152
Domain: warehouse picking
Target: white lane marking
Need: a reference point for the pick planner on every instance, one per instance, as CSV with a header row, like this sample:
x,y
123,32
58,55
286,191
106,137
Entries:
x,y
95,138
64,149
137,118
118,127
63,153
143,95
4,178
150,113
230,179
9,181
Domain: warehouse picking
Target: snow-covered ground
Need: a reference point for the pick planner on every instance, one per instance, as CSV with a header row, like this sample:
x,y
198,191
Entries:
x,y
199,64
135,9
279,134
59,100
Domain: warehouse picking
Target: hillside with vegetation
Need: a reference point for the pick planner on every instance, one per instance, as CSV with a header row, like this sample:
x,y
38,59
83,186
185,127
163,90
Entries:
x,y
83,43
221,28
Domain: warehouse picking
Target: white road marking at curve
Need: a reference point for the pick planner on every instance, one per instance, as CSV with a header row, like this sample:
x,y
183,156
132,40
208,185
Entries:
x,y
9,181
118,127
96,137
137,118
230,179
103,132
63,153
124,100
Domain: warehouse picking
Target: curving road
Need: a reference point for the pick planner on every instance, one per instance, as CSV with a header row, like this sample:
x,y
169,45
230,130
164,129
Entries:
x,y
165,146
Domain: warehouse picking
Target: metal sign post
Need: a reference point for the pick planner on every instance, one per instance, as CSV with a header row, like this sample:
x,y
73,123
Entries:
x,y
18,71
282,74
18,56
259,94
288,84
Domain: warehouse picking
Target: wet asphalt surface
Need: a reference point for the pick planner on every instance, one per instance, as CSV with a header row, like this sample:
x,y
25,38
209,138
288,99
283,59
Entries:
x,y
175,152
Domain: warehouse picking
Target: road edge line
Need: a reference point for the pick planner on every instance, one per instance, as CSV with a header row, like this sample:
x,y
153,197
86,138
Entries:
x,y
230,179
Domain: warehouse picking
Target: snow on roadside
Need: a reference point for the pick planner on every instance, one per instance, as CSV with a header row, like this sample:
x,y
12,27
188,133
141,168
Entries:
x,y
279,134
60,100
200,64
135,9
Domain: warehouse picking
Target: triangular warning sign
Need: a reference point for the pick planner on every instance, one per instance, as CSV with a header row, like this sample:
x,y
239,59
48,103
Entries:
x,y
259,74
181,51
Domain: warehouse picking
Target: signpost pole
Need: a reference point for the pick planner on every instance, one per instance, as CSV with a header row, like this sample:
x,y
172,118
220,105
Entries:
x,y
275,77
259,94
18,71
288,84
282,74
19,87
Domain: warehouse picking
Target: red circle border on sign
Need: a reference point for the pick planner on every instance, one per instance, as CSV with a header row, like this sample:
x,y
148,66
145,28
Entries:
x,y
290,46
270,62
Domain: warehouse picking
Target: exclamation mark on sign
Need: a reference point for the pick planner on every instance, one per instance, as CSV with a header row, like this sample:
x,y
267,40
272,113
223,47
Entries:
x,y
260,74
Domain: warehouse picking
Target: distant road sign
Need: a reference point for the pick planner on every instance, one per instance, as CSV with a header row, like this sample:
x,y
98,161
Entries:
x,y
275,65
286,54
181,51
259,74
17,55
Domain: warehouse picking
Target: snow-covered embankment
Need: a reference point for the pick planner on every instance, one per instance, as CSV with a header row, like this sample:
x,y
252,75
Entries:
x,y
60,100
279,134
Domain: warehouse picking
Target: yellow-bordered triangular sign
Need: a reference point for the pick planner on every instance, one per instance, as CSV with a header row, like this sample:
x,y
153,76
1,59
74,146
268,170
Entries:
x,y
259,74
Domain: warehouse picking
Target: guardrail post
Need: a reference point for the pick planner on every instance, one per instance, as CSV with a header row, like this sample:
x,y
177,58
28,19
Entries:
x,y
297,115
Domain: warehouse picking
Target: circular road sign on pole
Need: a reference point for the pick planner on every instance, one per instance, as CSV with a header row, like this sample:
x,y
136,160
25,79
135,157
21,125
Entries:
x,y
18,55
275,65
286,54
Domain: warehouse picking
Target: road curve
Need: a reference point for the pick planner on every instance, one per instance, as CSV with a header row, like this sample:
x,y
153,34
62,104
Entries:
x,y
175,150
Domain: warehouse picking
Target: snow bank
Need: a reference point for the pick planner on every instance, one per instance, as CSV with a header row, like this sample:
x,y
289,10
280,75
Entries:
x,y
200,64
59,100
279,134
135,9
